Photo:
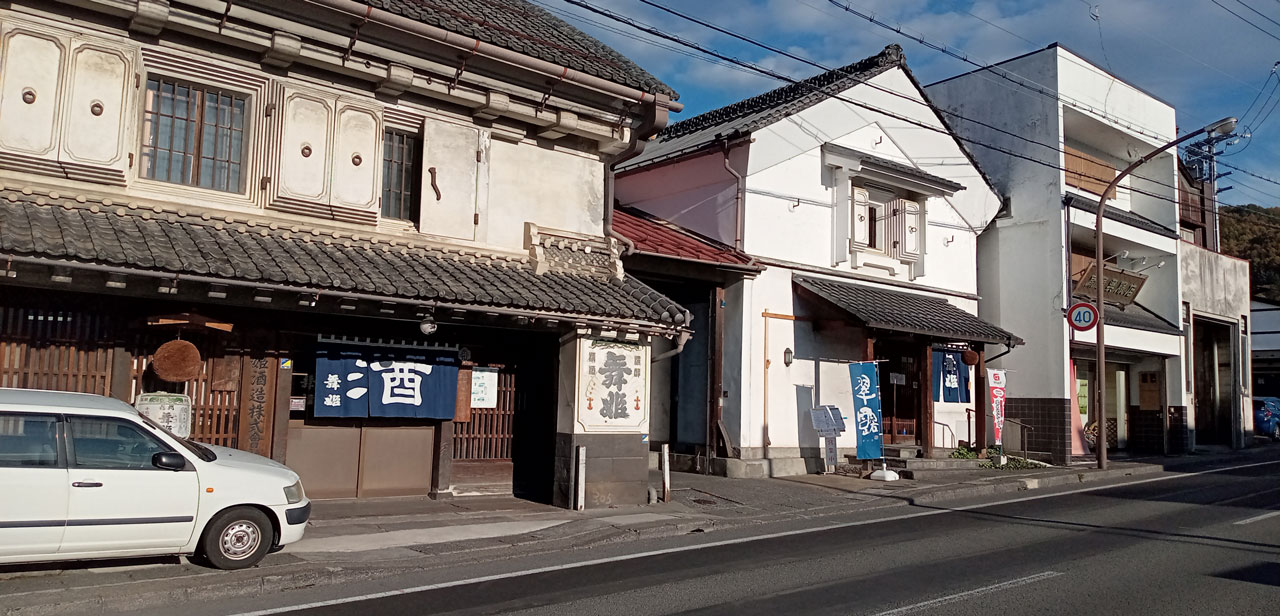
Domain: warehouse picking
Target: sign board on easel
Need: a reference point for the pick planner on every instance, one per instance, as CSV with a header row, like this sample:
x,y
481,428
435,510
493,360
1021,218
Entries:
x,y
828,421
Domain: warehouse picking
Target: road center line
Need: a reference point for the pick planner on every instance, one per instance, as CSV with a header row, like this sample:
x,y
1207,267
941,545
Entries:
x,y
969,594
1258,518
725,542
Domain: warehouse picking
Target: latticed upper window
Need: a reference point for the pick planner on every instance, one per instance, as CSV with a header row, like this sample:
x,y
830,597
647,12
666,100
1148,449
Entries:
x,y
193,135
400,176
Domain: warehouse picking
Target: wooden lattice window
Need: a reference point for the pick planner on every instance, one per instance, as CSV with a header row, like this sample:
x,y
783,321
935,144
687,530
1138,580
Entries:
x,y
401,177
193,135
1089,173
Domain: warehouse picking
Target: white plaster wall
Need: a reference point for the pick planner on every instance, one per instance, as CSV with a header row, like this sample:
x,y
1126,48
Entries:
x,y
788,210
1080,81
554,188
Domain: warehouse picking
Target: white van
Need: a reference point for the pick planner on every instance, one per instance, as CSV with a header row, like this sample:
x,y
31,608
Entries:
x,y
84,476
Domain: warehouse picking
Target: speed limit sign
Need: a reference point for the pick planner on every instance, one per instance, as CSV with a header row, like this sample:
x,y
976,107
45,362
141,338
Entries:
x,y
1082,317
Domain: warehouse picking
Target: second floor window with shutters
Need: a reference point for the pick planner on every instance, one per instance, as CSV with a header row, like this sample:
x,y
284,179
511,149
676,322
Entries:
x,y
878,213
401,178
193,135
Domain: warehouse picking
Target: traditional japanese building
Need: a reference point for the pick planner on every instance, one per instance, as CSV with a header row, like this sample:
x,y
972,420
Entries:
x,y
377,227
849,188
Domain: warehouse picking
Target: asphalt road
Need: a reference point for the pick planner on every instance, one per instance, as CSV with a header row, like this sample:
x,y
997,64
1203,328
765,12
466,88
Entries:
x,y
1192,544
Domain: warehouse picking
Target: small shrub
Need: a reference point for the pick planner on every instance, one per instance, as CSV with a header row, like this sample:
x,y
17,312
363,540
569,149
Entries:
x,y
964,453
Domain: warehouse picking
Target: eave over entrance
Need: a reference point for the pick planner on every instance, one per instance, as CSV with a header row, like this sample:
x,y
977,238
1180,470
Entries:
x,y
907,313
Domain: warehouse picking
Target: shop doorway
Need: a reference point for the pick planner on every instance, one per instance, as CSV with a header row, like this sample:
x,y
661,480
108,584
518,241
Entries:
x,y
483,438
1214,381
1120,393
900,390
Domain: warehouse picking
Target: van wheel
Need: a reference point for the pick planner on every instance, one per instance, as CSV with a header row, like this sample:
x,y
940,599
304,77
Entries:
x,y
237,538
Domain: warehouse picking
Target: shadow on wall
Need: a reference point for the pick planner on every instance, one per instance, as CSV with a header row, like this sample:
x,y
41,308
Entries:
x,y
806,435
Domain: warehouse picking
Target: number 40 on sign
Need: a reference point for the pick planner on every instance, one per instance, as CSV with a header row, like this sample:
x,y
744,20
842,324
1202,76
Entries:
x,y
1082,317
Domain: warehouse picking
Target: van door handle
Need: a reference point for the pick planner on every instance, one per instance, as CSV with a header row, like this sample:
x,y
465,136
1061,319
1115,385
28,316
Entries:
x,y
86,484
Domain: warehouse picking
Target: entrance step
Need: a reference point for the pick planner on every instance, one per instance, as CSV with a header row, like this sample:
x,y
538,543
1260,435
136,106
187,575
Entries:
x,y
930,464
902,451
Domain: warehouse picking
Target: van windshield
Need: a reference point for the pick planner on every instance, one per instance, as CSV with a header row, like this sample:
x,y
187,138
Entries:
x,y
202,452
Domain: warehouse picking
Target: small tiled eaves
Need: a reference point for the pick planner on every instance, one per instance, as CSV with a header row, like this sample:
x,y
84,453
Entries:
x,y
906,312
80,230
528,29
1119,215
662,238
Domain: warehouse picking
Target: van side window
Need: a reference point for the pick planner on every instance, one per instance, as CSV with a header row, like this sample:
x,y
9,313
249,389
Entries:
x,y
28,440
109,443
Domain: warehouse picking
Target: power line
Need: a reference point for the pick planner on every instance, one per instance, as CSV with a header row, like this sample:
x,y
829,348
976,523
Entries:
x,y
854,78
1258,13
764,71
999,72
1242,18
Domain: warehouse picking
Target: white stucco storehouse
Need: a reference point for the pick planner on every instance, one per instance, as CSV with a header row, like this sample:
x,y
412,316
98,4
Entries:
x,y
867,225
287,185
1067,142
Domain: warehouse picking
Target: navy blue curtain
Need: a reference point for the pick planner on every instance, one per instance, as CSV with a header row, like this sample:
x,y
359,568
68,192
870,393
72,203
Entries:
x,y
950,377
381,382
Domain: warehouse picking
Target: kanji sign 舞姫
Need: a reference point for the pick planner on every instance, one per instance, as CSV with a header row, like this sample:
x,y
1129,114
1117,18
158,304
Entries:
x,y
613,386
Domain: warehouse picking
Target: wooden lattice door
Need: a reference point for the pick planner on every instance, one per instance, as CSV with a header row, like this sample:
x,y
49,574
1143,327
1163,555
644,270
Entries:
x,y
488,433
59,350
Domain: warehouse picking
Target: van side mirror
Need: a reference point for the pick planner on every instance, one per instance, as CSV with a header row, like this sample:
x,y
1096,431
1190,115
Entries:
x,y
169,461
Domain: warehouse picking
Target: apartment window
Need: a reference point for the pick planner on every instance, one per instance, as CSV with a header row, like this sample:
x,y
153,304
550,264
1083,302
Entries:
x,y
401,177
193,135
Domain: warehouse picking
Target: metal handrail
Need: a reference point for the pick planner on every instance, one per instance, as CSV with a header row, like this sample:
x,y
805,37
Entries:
x,y
953,432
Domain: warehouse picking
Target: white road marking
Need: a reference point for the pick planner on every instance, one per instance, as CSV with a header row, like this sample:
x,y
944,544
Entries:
x,y
1258,518
1245,497
724,542
969,594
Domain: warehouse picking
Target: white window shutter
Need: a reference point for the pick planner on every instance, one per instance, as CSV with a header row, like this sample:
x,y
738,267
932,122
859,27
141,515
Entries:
x,y
907,230
840,224
861,216
357,159
98,119
305,149
450,176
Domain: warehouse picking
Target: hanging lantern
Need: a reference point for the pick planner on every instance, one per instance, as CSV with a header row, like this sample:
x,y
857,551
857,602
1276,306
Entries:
x,y
177,361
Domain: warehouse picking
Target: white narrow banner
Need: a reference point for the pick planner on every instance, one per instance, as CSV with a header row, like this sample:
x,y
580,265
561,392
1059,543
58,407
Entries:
x,y
996,380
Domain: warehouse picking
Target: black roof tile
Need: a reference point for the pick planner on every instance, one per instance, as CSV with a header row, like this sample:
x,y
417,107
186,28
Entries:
x,y
1119,215
528,29
905,312
235,252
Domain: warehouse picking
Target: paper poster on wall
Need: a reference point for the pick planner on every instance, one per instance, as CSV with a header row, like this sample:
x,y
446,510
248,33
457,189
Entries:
x,y
613,386
173,411
484,388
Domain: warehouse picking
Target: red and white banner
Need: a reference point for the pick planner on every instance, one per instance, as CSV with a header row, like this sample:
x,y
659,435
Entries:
x,y
996,380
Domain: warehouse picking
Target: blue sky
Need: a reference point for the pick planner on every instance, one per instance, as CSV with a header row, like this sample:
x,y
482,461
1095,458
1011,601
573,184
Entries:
x,y
1193,54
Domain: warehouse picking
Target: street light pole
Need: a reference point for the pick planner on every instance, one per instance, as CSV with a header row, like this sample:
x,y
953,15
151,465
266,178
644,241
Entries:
x,y
1221,127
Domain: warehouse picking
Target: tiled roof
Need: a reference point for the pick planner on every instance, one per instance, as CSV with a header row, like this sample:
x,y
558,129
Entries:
x,y
146,240
894,166
759,111
659,237
906,312
528,29
1119,215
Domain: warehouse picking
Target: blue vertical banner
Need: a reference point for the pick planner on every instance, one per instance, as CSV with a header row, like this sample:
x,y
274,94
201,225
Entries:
x,y
866,399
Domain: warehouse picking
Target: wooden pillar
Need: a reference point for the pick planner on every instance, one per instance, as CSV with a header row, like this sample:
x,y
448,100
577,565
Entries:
x,y
926,401
121,385
982,401
280,423
442,465
258,393
869,351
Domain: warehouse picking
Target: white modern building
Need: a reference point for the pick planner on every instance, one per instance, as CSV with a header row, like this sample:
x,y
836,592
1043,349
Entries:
x,y
1059,139
865,212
